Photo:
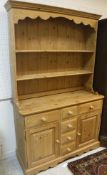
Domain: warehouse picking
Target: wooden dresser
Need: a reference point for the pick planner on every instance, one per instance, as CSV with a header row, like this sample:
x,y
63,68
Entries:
x,y
52,55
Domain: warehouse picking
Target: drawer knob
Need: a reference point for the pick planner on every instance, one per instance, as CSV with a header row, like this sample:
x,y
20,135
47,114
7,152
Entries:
x,y
91,107
43,119
57,141
68,149
70,113
79,134
69,126
69,138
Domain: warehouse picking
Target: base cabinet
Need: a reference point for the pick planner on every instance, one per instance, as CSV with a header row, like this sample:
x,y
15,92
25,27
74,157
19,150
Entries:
x,y
54,136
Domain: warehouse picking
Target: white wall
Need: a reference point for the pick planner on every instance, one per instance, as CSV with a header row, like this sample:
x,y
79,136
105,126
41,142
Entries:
x,y
7,132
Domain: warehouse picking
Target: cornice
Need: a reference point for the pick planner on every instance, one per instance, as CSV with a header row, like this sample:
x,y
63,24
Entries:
x,y
40,7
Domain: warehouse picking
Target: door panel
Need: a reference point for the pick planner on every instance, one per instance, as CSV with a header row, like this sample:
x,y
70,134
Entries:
x,y
88,128
43,144
39,140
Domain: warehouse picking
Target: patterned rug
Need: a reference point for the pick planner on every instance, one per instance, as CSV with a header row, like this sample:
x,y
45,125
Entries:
x,y
95,164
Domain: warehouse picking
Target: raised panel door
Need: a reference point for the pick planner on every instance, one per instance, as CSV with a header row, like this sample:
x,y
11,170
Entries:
x,y
88,128
43,144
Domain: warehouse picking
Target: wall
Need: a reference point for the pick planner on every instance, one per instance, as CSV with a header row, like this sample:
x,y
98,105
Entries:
x,y
7,131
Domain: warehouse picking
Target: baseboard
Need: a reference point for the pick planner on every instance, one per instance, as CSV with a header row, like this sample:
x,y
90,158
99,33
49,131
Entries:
x,y
103,140
7,155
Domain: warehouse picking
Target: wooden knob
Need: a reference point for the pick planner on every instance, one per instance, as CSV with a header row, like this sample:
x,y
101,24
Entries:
x,y
70,112
92,107
69,138
68,149
43,119
69,126
96,93
57,141
79,134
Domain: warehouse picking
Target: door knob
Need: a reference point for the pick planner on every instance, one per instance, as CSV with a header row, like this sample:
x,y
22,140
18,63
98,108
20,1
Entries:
x,y
68,149
91,107
69,138
57,141
43,119
69,126
70,112
79,134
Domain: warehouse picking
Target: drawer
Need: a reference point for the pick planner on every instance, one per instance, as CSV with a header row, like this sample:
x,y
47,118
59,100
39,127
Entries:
x,y
89,107
69,125
69,112
42,118
68,148
68,137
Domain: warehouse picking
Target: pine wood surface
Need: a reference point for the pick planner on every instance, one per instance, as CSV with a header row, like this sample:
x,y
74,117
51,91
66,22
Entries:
x,y
36,105
52,53
56,61
53,74
56,51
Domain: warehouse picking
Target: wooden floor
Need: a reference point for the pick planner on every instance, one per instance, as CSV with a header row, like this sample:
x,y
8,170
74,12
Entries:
x,y
11,166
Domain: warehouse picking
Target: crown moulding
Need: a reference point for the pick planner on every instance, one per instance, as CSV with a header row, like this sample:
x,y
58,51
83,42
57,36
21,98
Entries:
x,y
21,10
33,6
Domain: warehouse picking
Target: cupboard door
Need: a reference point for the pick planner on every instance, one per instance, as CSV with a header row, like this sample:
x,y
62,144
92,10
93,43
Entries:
x,y
88,128
43,144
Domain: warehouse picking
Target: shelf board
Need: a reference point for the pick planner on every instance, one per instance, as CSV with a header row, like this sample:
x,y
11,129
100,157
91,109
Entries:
x,y
53,74
56,51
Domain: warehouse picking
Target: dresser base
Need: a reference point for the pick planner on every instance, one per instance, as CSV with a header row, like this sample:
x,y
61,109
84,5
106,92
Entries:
x,y
53,163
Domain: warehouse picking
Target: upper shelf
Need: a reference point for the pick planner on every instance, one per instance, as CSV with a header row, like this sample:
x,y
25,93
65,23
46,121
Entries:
x,y
49,51
53,74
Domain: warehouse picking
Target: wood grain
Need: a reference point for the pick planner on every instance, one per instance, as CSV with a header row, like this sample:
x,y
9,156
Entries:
x,y
52,53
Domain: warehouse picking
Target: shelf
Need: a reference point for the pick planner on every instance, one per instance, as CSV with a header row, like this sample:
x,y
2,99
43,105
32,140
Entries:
x,y
56,51
53,74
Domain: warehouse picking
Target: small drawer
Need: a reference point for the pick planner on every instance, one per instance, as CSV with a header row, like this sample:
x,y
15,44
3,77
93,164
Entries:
x,y
39,119
68,148
69,112
68,137
69,125
89,107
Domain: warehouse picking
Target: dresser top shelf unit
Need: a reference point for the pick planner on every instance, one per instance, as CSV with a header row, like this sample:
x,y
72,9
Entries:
x,y
53,51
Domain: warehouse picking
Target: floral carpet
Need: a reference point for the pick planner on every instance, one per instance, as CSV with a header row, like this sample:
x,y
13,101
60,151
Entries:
x,y
95,164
